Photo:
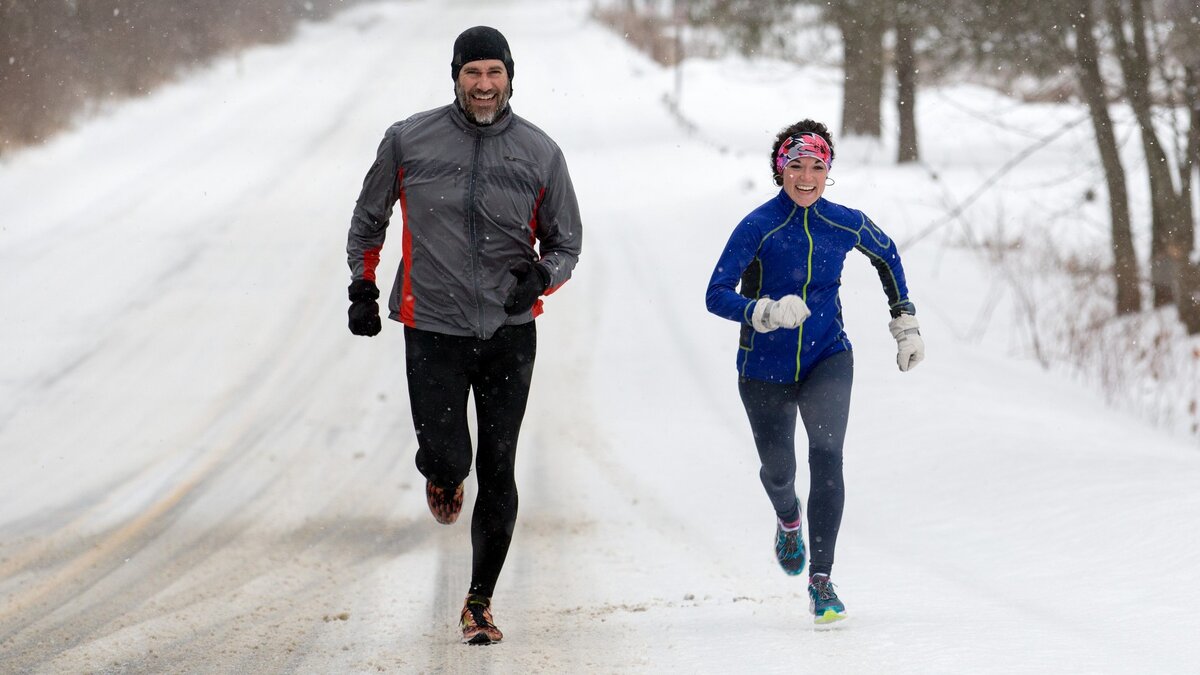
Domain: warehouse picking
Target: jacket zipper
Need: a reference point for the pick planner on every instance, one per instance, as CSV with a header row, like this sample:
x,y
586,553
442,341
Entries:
x,y
475,265
804,293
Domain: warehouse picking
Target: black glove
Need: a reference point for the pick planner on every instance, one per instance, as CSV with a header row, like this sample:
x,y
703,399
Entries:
x,y
532,281
364,311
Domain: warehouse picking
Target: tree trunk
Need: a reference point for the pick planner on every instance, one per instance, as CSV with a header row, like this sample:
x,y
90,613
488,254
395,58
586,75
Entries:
x,y
1170,223
1188,290
1125,267
862,26
906,86
1189,164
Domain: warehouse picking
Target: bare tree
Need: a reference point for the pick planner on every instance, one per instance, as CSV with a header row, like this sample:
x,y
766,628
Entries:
x,y
1091,84
748,25
862,24
1169,223
751,25
1043,39
1182,50
906,82
58,57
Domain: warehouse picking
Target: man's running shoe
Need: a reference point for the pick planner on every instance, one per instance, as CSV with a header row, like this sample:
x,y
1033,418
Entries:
x,y
477,626
444,503
823,600
789,549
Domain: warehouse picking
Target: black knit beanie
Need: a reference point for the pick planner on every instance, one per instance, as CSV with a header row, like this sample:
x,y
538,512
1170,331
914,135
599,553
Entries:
x,y
478,43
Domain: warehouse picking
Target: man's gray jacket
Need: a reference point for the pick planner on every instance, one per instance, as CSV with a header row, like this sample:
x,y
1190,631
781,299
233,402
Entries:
x,y
475,200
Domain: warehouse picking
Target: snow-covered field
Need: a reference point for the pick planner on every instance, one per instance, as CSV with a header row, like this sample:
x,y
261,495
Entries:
x,y
201,470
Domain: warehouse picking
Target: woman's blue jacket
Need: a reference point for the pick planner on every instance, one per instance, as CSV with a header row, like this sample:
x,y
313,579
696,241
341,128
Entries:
x,y
782,248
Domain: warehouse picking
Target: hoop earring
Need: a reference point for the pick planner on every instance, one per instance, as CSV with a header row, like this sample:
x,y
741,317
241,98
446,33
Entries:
x,y
829,181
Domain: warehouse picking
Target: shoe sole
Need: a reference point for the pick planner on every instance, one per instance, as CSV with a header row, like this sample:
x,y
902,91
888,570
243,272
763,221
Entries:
x,y
829,619
790,572
785,565
480,640
443,519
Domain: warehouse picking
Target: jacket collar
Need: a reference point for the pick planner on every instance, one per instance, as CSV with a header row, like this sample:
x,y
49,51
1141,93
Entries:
x,y
498,127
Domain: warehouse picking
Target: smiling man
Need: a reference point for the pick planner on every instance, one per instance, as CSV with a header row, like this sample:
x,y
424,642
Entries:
x,y
483,89
491,224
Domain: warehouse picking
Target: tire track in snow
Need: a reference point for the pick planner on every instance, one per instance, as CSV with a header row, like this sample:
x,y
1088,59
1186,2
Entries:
x,y
238,425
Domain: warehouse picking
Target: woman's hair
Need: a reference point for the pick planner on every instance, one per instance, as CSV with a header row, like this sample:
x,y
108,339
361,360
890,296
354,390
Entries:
x,y
801,127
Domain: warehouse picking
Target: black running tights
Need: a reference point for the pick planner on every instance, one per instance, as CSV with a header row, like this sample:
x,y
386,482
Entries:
x,y
442,371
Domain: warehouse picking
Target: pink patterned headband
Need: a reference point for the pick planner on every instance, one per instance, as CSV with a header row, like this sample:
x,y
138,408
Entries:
x,y
803,145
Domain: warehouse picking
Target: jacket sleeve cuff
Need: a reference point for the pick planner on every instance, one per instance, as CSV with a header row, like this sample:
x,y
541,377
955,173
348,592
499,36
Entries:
x,y
903,307
362,289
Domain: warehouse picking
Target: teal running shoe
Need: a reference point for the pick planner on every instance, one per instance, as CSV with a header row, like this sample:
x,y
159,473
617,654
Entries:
x,y
789,549
823,601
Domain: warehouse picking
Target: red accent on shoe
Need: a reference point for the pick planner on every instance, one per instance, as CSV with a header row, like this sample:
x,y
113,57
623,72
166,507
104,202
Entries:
x,y
444,503
476,622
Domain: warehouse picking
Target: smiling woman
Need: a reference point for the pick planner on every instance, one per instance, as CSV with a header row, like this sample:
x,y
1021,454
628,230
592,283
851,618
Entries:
x,y
794,357
802,158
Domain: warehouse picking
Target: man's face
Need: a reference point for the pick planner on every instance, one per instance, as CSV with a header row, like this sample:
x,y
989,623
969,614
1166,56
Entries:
x,y
483,89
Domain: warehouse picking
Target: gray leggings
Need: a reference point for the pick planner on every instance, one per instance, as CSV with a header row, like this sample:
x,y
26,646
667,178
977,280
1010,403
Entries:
x,y
823,401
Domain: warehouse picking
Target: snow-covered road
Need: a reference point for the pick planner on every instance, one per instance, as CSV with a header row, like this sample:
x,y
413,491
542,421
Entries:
x,y
202,471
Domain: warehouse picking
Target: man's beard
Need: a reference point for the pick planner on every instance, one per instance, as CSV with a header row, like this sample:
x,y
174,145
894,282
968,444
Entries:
x,y
465,102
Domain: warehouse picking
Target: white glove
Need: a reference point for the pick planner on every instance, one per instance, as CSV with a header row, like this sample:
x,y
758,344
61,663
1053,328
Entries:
x,y
909,345
787,312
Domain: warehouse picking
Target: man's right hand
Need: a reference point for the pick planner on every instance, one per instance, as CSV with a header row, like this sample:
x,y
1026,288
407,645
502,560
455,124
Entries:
x,y
364,311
